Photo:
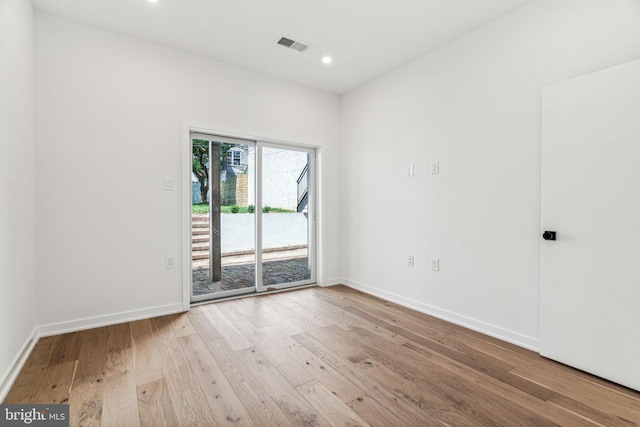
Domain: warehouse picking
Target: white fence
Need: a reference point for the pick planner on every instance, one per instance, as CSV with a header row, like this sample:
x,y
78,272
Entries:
x,y
279,230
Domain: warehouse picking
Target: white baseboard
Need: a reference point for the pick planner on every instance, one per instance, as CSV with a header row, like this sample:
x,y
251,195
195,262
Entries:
x,y
109,319
512,337
332,282
9,377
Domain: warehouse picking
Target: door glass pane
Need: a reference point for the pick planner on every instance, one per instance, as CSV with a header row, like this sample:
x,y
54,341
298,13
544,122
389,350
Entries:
x,y
223,219
285,219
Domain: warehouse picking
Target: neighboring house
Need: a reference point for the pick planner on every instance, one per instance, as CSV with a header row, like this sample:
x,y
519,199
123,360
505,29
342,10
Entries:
x,y
236,161
235,164
284,178
234,178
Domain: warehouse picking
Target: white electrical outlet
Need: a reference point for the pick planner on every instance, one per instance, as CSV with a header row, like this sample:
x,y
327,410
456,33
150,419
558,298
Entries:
x,y
435,264
410,260
168,183
435,167
410,170
170,261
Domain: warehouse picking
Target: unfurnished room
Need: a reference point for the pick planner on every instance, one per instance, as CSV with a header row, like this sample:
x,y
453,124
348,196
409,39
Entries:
x,y
319,213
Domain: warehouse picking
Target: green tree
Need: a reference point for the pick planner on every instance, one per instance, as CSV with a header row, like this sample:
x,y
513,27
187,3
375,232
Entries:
x,y
200,164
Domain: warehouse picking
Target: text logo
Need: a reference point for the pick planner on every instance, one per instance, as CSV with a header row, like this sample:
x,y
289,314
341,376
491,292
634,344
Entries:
x,y
34,415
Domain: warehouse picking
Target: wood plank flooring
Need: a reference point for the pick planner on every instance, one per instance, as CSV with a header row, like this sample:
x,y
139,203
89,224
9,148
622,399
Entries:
x,y
310,357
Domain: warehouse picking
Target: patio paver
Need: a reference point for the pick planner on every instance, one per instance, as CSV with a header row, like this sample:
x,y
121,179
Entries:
x,y
241,276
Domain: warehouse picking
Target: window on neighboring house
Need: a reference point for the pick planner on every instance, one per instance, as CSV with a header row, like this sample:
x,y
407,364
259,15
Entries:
x,y
233,158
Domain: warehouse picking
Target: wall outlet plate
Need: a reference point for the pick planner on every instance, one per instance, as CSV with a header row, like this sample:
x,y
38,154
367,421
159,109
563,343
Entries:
x,y
168,183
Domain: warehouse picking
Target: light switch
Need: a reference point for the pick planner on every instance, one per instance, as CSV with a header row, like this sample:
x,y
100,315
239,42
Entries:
x,y
170,261
410,170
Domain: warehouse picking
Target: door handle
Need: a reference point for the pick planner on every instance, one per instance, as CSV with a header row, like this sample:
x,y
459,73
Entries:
x,y
549,235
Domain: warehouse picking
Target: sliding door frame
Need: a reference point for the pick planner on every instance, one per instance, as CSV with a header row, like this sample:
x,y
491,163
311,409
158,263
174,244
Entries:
x,y
258,143
311,229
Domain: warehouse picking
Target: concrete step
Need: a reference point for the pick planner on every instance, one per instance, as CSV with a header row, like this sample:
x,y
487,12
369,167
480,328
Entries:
x,y
200,224
202,258
200,238
200,247
200,231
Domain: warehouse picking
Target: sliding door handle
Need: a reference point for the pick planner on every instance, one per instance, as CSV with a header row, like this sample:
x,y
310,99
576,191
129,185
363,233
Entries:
x,y
549,235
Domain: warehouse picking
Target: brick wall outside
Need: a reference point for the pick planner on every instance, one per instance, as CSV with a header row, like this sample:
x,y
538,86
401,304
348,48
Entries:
x,y
235,190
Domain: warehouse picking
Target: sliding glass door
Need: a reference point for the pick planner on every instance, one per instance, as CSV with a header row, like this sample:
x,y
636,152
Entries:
x,y
287,208
252,220
222,219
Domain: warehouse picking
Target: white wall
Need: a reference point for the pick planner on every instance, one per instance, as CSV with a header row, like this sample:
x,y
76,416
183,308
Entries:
x,y
110,114
17,185
474,106
280,172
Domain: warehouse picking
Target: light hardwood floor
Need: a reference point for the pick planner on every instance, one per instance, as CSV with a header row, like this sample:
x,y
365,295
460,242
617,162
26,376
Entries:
x,y
315,356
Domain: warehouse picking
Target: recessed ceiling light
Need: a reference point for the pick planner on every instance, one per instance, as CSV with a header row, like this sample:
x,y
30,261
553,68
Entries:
x,y
153,1
326,60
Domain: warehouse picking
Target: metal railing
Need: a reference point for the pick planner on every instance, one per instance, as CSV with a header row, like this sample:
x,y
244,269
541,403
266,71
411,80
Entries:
x,y
303,188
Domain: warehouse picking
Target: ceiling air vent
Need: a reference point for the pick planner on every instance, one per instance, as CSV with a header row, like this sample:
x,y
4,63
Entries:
x,y
292,44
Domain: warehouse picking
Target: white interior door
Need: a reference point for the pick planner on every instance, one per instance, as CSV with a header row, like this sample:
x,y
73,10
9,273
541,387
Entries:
x,y
590,275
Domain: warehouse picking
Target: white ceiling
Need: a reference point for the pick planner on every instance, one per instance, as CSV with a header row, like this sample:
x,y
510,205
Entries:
x,y
365,38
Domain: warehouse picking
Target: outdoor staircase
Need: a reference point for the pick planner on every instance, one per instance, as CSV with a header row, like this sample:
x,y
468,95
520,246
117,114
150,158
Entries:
x,y
200,237
303,189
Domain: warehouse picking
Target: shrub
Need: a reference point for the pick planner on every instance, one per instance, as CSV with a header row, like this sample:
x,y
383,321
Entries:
x,y
251,208
235,209
266,209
